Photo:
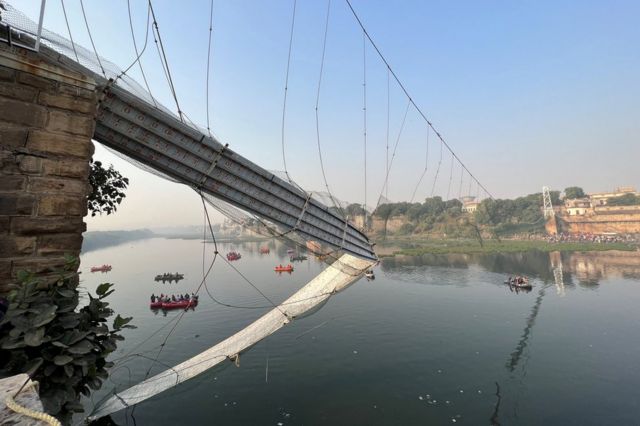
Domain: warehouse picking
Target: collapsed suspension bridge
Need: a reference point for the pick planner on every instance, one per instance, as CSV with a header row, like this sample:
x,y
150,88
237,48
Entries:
x,y
131,122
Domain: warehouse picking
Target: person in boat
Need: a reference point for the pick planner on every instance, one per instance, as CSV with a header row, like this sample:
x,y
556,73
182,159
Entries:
x,y
153,298
186,296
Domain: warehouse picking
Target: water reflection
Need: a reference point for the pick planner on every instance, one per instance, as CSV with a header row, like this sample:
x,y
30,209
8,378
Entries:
x,y
559,268
516,355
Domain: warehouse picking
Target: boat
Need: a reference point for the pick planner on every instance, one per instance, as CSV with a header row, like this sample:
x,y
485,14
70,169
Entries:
x,y
101,268
169,277
233,255
265,250
298,258
180,304
369,274
519,282
280,268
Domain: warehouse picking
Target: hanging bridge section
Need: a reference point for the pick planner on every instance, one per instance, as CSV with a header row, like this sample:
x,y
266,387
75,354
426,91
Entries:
x,y
161,141
131,122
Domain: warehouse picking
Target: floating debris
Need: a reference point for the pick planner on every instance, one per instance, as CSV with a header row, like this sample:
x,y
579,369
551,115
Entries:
x,y
420,398
355,352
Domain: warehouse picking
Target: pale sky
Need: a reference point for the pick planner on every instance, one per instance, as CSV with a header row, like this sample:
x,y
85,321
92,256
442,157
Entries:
x,y
527,93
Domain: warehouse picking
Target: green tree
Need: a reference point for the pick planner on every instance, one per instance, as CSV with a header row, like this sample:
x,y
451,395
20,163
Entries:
x,y
624,200
354,210
107,189
385,211
573,192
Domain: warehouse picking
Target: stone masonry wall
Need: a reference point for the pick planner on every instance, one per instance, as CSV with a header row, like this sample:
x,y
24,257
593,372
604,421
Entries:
x,y
46,125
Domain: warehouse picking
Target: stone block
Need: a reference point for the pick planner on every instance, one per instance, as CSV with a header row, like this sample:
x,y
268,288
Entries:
x,y
14,138
29,164
4,224
17,204
36,81
59,244
62,206
11,245
77,124
66,168
79,92
18,91
5,270
38,265
53,185
47,225
68,145
8,162
7,74
12,183
19,112
71,103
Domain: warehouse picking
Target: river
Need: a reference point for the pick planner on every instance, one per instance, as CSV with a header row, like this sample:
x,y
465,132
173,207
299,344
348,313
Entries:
x,y
433,340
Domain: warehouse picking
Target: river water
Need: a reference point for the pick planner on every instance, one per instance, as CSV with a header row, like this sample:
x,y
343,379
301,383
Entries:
x,y
433,340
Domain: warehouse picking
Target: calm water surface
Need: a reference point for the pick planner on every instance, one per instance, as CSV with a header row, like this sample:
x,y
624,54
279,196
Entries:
x,y
432,340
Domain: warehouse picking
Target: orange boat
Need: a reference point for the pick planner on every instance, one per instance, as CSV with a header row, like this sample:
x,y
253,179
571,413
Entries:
x,y
102,268
280,268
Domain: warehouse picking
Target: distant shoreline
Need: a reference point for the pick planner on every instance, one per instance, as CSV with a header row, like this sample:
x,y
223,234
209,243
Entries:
x,y
397,247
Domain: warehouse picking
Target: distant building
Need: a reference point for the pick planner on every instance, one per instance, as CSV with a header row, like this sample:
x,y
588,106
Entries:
x,y
469,204
602,198
593,215
578,206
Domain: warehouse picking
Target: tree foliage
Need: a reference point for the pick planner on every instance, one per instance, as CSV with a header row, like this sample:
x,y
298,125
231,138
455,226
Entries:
x,y
64,349
108,187
573,192
494,212
624,200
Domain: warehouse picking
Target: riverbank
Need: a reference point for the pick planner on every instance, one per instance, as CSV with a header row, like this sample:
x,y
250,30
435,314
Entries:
x,y
393,247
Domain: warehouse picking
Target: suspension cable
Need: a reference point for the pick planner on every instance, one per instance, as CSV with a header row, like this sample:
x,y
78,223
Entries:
x,y
208,62
138,54
286,87
91,39
406,92
64,11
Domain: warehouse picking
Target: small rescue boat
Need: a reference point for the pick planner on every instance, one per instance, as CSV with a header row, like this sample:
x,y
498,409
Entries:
x,y
180,304
233,255
101,268
280,268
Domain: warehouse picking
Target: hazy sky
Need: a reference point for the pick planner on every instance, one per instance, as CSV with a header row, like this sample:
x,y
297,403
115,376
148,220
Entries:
x,y
527,93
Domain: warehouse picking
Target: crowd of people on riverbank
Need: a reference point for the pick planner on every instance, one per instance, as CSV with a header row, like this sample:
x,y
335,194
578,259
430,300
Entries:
x,y
592,238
